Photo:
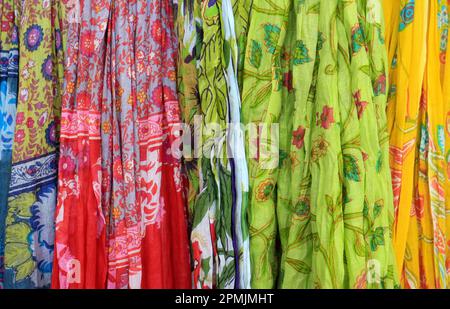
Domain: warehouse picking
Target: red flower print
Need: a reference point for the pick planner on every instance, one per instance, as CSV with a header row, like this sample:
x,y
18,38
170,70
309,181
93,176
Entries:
x,y
87,44
439,241
327,117
169,94
360,105
163,94
298,137
140,61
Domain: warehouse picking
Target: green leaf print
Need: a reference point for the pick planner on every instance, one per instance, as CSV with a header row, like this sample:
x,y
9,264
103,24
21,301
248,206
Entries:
x,y
360,248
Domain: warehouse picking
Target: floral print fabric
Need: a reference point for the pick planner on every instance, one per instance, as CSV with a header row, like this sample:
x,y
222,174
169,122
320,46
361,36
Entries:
x,y
120,219
29,222
418,123
319,70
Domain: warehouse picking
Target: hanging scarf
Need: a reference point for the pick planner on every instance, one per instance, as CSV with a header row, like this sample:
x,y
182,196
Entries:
x,y
9,65
120,220
32,191
318,68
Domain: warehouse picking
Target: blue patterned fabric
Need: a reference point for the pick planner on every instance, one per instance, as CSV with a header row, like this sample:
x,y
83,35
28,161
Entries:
x,y
9,65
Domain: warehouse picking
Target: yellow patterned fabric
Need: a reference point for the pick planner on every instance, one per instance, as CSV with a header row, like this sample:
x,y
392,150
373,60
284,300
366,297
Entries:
x,y
418,120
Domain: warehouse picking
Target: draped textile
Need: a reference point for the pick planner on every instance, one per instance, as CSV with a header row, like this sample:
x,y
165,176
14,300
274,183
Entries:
x,y
120,219
417,38
210,66
318,69
9,65
29,226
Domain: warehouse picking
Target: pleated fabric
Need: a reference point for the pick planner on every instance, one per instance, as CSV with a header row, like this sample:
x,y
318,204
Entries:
x,y
417,39
120,218
224,144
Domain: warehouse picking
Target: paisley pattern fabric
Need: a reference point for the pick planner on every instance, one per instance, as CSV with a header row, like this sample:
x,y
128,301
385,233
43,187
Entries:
x,y
418,113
